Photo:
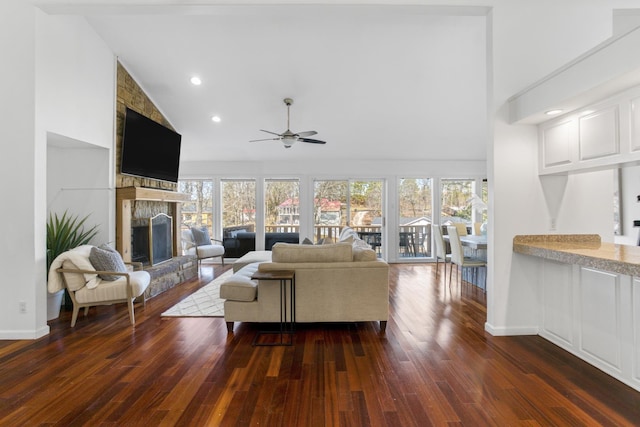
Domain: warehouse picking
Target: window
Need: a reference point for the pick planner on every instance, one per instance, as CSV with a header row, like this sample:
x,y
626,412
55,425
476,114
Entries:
x,y
415,216
238,205
329,208
198,211
456,196
281,211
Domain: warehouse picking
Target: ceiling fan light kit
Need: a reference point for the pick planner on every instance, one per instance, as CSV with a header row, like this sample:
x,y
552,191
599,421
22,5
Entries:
x,y
289,138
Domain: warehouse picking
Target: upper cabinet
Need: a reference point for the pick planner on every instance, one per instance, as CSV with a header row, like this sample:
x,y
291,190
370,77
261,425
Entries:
x,y
596,136
600,91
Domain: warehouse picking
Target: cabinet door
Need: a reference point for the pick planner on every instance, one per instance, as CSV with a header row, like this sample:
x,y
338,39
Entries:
x,y
598,134
556,144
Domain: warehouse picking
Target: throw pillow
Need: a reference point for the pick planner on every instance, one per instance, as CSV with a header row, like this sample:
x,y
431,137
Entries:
x,y
307,241
201,236
107,260
106,247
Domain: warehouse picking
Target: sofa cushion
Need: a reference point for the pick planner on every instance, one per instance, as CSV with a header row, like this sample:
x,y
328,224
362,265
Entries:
x,y
240,287
364,254
291,252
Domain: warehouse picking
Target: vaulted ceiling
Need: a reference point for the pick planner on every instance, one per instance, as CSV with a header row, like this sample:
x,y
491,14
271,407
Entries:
x,y
375,82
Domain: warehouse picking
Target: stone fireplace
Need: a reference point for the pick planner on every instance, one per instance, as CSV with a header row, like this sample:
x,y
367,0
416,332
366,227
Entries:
x,y
136,208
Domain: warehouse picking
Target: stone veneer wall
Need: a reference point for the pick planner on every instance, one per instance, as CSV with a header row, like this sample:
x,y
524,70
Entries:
x,y
179,269
130,94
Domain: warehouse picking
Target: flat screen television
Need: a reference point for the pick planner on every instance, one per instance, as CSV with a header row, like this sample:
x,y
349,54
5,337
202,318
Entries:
x,y
149,150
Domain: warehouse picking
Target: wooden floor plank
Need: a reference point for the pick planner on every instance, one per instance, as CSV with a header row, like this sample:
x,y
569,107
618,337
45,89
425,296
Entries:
x,y
435,365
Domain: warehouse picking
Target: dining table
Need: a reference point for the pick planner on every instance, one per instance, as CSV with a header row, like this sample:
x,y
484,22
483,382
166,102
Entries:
x,y
473,241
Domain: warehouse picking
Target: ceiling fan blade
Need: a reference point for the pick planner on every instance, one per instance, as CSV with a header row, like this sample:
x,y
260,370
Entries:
x,y
268,139
268,131
313,141
307,133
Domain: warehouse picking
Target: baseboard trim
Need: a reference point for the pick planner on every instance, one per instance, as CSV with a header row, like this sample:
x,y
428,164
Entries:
x,y
510,331
31,334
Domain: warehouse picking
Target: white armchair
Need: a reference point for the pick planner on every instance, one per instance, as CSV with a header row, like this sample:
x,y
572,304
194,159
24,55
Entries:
x,y
196,241
88,286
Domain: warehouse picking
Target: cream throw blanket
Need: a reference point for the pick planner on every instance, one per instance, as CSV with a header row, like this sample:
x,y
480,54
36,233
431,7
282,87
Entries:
x,y
80,258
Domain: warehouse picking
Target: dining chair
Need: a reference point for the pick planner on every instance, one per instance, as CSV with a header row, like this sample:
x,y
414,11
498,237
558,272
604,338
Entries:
x,y
458,258
441,251
477,228
461,227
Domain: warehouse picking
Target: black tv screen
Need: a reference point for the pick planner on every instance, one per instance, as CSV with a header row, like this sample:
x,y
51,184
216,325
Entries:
x,y
149,150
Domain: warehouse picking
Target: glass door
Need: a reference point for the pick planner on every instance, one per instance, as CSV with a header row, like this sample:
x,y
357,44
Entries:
x,y
365,211
415,216
238,216
354,203
281,211
330,199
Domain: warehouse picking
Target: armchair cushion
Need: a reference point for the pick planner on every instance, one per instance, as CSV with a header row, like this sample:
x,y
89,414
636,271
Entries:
x,y
107,260
114,290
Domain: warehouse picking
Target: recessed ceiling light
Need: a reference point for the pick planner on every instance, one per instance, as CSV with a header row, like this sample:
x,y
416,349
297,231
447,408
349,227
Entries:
x,y
215,119
195,80
553,112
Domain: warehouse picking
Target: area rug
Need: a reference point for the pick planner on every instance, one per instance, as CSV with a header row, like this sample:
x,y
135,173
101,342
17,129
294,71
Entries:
x,y
205,302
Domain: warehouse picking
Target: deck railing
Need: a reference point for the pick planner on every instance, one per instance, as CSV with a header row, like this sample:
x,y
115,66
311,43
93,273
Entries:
x,y
414,240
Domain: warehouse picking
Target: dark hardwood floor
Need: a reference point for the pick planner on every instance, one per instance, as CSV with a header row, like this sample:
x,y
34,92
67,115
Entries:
x,y
435,365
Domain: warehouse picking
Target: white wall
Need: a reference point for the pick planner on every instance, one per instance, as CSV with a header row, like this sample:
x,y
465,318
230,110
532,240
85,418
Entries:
x,y
78,182
58,76
530,40
20,256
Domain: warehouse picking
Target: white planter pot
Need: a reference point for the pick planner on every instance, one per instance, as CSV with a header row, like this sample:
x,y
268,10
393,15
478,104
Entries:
x,y
54,302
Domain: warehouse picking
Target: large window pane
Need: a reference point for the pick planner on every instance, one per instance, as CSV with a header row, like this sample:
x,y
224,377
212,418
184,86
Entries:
x,y
281,210
198,211
456,202
365,211
415,215
329,208
238,216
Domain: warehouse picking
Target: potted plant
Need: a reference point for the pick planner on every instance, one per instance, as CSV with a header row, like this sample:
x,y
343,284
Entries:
x,y
64,233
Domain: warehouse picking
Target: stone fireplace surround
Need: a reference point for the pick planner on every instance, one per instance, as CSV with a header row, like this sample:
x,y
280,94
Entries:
x,y
135,205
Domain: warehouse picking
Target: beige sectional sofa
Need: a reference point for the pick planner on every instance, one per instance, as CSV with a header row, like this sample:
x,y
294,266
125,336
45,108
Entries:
x,y
341,282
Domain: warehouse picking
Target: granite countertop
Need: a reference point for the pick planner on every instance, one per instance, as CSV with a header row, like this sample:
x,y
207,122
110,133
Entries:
x,y
581,249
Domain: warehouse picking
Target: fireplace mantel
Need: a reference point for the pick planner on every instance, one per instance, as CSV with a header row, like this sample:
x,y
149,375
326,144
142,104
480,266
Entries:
x,y
126,195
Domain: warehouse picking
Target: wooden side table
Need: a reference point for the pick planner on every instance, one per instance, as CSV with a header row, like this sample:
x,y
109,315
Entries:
x,y
286,327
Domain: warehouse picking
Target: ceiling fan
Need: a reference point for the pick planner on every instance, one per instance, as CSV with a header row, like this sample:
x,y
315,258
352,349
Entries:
x,y
289,138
